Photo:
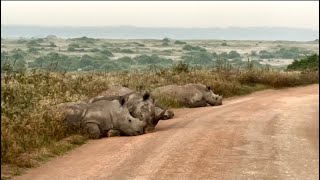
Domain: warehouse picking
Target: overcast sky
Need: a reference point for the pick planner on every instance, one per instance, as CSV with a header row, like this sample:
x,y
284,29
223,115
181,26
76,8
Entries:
x,y
162,14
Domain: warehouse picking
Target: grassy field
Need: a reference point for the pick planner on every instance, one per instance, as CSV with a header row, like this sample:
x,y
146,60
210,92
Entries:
x,y
278,54
32,130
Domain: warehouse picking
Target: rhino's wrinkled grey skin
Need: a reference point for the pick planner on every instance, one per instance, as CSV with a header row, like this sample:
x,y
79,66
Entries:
x,y
190,95
98,118
140,105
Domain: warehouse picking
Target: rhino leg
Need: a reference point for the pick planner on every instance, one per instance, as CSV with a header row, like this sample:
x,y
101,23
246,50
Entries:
x,y
93,130
113,132
198,104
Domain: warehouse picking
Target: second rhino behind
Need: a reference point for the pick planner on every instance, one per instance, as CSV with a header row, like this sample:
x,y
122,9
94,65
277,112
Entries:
x,y
189,95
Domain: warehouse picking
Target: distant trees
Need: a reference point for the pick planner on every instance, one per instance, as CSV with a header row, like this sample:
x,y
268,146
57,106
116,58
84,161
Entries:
x,y
179,42
55,62
106,52
198,58
224,44
32,43
52,44
151,60
128,51
13,61
308,63
193,48
234,55
166,40
284,53
74,45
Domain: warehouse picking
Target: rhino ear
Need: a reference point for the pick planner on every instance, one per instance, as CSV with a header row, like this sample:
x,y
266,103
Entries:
x,y
146,96
122,100
208,88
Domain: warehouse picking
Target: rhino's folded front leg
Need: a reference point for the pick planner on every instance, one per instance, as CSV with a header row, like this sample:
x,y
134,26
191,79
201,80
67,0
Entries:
x,y
93,130
197,104
113,132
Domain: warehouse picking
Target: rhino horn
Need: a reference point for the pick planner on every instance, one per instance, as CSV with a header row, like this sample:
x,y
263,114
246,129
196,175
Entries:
x,y
157,118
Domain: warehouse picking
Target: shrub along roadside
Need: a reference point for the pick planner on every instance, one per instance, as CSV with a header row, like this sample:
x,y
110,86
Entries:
x,y
29,134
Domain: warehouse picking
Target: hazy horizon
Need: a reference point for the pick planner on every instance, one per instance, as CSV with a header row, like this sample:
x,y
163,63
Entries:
x,y
154,27
165,14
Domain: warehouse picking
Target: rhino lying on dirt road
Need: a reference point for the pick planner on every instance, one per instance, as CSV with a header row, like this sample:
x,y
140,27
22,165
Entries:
x,y
208,93
103,118
140,105
189,95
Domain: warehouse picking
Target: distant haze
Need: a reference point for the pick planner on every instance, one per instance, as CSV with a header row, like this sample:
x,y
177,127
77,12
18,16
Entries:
x,y
177,19
129,32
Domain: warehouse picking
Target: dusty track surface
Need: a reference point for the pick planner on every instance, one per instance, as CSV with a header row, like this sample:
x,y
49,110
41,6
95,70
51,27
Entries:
x,y
271,134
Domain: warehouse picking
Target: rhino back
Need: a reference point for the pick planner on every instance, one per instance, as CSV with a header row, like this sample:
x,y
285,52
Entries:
x,y
179,93
102,113
73,113
116,91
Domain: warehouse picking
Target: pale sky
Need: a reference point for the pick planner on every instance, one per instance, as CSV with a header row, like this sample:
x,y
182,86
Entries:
x,y
162,13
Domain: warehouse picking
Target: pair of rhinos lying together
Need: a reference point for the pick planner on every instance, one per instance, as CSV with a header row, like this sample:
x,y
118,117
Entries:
x,y
122,111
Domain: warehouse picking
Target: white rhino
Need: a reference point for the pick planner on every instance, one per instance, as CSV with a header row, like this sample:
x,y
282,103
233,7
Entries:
x,y
208,93
189,95
103,118
140,105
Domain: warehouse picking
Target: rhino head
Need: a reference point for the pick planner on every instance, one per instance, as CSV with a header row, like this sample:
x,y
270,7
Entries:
x,y
211,98
127,124
218,100
143,107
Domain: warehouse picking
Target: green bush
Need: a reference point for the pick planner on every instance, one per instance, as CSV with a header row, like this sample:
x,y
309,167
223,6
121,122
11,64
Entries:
x,y
32,43
94,50
71,49
180,67
266,55
165,44
128,51
193,48
110,67
234,55
74,45
52,44
166,40
308,63
13,61
85,40
56,62
198,58
151,60
106,52
179,42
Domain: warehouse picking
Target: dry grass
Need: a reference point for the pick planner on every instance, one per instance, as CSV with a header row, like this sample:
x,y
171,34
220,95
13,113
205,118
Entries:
x,y
30,134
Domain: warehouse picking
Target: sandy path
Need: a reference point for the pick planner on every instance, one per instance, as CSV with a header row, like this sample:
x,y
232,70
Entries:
x,y
271,134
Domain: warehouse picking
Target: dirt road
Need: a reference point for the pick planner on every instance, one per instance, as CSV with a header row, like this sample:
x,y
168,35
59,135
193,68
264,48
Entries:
x,y
271,134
